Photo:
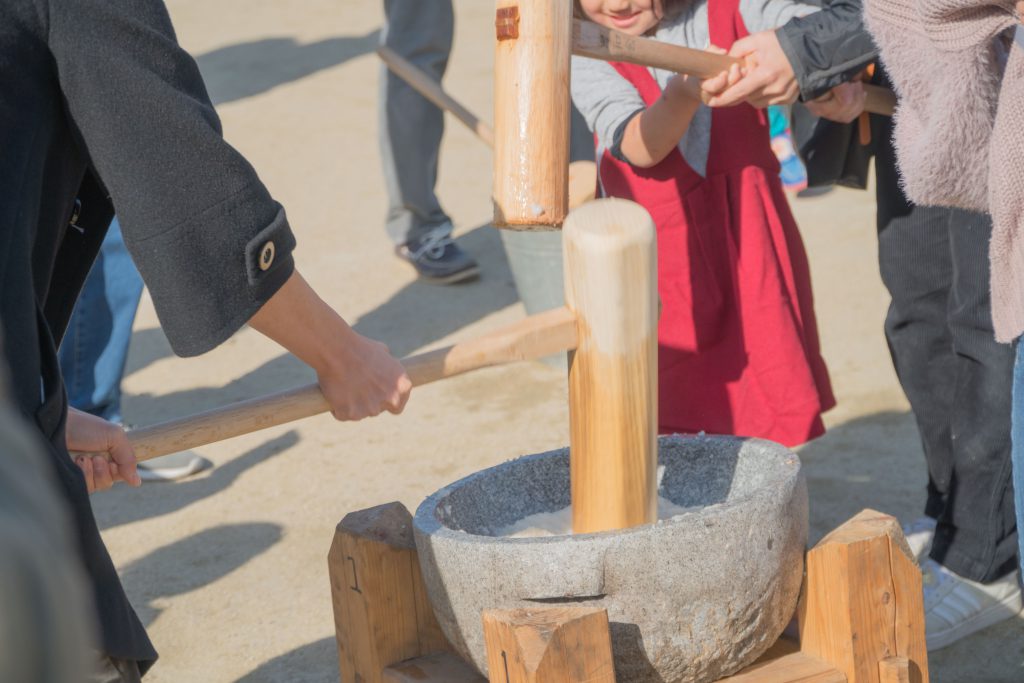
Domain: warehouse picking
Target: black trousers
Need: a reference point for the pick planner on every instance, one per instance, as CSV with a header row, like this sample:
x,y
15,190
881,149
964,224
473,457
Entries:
x,y
934,262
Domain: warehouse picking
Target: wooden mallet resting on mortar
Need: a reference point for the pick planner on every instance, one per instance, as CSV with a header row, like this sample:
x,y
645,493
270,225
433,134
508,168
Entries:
x,y
582,174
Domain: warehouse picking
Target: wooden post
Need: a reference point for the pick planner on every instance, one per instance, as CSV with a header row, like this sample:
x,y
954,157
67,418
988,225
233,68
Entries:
x,y
531,113
381,612
862,601
611,285
549,645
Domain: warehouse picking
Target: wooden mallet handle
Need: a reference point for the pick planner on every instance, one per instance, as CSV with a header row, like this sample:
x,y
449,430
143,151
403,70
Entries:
x,y
422,83
535,337
597,42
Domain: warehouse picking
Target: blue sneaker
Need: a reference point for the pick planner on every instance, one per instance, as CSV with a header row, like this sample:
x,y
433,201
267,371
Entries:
x,y
438,259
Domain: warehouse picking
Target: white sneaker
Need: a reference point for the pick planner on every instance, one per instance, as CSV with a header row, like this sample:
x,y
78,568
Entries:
x,y
919,535
172,467
955,607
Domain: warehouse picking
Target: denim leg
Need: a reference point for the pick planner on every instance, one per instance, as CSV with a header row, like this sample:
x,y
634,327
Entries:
x,y
410,126
1018,447
95,347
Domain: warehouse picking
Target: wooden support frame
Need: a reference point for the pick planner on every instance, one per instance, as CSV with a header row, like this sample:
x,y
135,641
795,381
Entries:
x,y
381,612
555,644
861,618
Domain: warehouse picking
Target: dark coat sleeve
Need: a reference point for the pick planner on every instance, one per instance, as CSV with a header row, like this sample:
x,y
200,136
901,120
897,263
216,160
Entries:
x,y
195,216
828,47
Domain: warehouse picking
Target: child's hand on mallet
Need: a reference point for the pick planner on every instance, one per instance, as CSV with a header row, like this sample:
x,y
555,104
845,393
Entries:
x,y
716,85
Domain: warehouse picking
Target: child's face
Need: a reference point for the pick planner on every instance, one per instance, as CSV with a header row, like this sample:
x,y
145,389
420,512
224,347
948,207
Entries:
x,y
635,17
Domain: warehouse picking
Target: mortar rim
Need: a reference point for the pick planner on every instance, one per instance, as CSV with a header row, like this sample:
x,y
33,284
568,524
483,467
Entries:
x,y
427,524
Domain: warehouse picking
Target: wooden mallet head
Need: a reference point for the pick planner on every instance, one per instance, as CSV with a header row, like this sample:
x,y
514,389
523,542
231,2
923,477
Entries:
x,y
531,113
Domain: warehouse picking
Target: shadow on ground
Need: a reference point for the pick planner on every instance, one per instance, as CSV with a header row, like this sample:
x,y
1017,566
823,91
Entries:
x,y
247,69
147,347
417,315
421,313
314,662
156,500
873,461
193,562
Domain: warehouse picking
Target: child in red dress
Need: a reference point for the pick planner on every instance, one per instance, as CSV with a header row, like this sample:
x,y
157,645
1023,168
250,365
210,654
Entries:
x,y
738,343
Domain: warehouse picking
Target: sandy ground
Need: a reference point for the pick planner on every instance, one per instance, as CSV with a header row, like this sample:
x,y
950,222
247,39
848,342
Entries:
x,y
228,569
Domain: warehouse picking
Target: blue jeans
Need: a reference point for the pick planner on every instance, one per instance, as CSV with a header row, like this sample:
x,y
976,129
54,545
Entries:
x,y
95,347
1017,448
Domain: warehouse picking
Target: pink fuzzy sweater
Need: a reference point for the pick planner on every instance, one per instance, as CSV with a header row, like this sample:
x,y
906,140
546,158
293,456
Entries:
x,y
959,125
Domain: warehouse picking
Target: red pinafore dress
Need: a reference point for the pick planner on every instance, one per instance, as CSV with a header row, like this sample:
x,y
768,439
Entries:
x,y
738,349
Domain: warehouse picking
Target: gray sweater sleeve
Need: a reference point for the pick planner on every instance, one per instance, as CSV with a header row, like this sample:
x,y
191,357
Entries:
x,y
196,218
606,99
766,15
770,14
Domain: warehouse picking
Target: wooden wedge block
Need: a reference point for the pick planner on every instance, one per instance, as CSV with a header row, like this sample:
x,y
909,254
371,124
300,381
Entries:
x,y
549,645
381,612
862,600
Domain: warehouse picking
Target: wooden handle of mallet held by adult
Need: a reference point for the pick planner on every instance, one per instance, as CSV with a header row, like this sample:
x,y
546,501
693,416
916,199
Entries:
x,y
535,337
597,42
582,173
422,83
611,264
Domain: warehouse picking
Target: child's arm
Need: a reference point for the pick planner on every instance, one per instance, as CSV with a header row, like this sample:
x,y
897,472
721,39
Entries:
x,y
653,133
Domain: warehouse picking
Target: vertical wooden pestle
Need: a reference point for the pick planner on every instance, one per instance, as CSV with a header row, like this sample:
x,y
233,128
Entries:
x,y
611,265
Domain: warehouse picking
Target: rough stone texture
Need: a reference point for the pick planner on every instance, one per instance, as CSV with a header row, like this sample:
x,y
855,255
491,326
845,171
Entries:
x,y
690,600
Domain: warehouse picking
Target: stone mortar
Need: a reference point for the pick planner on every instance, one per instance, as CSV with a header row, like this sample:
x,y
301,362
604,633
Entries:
x,y
690,600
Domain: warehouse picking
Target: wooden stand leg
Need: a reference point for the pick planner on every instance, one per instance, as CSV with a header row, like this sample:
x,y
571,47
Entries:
x,y
381,612
549,645
862,602
611,285
531,113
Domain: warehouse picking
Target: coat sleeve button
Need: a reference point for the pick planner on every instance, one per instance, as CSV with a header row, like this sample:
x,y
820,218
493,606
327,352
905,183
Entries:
x,y
266,256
